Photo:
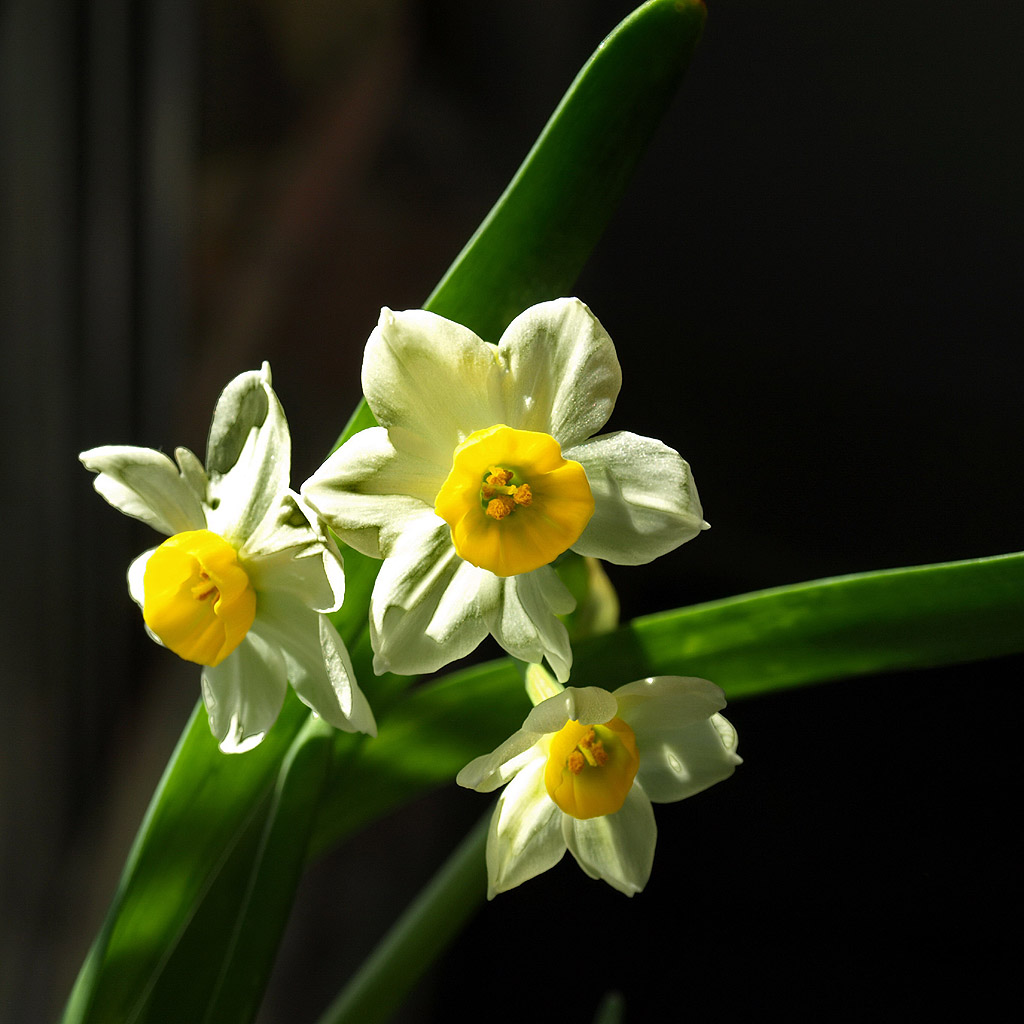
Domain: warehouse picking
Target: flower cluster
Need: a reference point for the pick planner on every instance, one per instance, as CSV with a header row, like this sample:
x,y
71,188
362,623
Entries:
x,y
485,469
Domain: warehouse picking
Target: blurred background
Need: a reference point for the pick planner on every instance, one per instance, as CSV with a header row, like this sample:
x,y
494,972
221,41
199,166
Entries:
x,y
814,283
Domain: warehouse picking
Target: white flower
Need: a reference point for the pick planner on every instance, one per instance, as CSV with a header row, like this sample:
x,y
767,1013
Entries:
x,y
483,471
583,770
243,584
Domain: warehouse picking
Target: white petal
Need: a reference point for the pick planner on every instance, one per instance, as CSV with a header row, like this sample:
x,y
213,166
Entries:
x,y
244,694
489,771
316,661
616,847
428,605
645,500
248,456
524,619
343,694
136,577
432,379
137,590
145,484
525,838
368,491
685,746
292,552
563,374
589,704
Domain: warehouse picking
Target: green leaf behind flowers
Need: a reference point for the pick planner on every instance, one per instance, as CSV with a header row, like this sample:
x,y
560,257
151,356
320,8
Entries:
x,y
208,884
755,643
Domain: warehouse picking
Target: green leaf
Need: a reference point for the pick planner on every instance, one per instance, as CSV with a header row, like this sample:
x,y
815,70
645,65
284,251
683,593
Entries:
x,y
755,643
206,804
218,969
533,244
210,841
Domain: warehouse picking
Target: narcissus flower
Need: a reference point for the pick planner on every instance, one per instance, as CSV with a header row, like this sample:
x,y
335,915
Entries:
x,y
243,583
483,471
582,772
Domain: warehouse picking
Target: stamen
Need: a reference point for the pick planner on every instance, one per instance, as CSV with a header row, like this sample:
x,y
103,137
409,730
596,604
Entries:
x,y
498,477
498,508
512,501
590,768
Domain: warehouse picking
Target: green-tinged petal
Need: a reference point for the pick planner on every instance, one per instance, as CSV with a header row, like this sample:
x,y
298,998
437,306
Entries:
x,y
316,662
244,693
145,484
524,621
432,379
368,490
563,375
645,500
489,771
525,839
684,745
248,456
193,472
428,605
618,848
589,704
293,553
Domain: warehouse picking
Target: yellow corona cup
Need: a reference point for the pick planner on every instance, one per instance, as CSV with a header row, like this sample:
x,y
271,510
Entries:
x,y
198,599
512,501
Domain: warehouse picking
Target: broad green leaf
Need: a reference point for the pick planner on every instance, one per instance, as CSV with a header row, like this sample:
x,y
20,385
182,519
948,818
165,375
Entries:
x,y
205,805
755,643
218,971
197,854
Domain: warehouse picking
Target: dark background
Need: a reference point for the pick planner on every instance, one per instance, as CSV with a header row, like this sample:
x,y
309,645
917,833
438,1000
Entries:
x,y
814,286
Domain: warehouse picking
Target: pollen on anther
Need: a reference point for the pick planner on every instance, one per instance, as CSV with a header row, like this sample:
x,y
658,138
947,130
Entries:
x,y
575,762
523,495
498,477
498,508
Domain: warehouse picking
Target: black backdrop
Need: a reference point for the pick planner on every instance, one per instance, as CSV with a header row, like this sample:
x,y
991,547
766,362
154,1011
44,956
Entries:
x,y
814,284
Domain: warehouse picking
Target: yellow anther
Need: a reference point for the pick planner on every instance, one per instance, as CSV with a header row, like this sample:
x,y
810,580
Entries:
x,y
498,508
512,502
590,768
197,598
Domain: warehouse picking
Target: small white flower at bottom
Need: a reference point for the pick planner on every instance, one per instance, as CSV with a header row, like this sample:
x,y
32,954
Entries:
x,y
582,772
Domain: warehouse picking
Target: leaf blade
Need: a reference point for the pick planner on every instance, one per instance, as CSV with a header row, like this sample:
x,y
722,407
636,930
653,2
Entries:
x,y
836,628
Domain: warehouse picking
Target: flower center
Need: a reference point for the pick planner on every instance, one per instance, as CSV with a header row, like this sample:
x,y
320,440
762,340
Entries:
x,y
512,502
197,598
590,768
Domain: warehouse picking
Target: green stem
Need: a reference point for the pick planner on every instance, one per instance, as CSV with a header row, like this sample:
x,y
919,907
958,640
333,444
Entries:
x,y
418,937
